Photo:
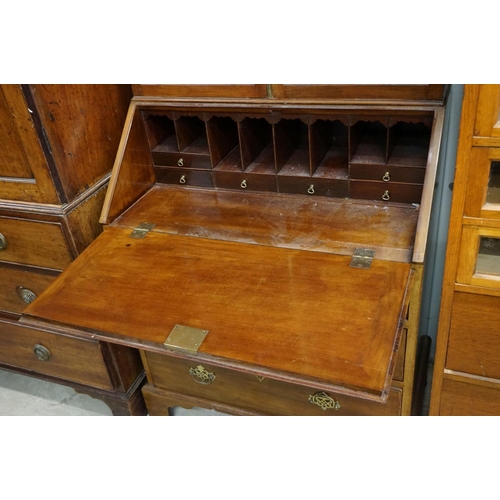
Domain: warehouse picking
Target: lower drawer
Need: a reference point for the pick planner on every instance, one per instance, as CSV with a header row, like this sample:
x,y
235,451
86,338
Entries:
x,y
59,356
20,287
464,399
385,191
336,188
184,176
245,181
264,396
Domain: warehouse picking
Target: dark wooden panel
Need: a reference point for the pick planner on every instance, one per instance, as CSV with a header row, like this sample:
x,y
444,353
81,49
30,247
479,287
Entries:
x,y
181,160
194,90
313,186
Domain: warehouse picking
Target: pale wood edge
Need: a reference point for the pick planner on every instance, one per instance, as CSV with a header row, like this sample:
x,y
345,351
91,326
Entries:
x,y
412,339
104,219
467,378
468,115
428,190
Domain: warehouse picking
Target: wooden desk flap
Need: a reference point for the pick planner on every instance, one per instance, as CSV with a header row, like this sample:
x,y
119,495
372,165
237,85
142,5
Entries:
x,y
296,313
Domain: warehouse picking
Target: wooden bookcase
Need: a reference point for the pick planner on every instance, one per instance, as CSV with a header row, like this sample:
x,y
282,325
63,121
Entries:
x,y
265,256
466,378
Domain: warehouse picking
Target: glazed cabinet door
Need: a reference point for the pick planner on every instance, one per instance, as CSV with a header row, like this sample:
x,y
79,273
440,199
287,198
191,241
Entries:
x,y
24,171
193,90
488,112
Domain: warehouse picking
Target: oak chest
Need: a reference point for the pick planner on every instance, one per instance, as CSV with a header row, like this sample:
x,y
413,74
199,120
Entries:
x,y
263,254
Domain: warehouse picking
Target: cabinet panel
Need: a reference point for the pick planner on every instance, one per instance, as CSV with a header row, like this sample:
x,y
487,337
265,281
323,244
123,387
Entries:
x,y
193,90
382,92
474,341
463,399
488,111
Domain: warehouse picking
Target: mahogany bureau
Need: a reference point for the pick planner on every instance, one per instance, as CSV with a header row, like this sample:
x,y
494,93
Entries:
x,y
263,247
58,143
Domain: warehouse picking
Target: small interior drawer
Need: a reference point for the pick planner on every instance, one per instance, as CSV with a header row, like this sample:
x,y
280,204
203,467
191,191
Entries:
x,y
55,355
20,287
386,173
33,243
386,191
184,177
181,160
313,186
245,181
265,396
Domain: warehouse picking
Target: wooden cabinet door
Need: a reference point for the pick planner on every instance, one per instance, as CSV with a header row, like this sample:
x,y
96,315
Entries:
x,y
369,92
24,171
193,90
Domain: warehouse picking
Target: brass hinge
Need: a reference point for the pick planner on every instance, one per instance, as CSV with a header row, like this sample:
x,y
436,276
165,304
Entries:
x,y
141,230
362,258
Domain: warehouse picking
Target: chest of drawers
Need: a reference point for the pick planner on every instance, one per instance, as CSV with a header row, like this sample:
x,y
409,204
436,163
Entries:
x,y
263,255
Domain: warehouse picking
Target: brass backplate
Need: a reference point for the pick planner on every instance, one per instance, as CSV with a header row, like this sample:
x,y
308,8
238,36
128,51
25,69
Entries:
x,y
185,338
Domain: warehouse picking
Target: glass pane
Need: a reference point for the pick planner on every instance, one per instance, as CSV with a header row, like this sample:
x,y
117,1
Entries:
x,y
493,194
488,258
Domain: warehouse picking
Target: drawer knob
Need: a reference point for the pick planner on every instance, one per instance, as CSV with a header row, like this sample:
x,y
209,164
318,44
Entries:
x,y
3,242
182,180
311,189
324,401
386,177
41,352
180,162
201,375
243,184
386,196
25,294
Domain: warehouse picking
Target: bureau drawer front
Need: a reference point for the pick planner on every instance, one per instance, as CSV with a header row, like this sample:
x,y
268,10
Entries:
x,y
181,160
387,173
184,177
464,399
385,191
246,391
313,186
245,181
34,243
11,295
69,358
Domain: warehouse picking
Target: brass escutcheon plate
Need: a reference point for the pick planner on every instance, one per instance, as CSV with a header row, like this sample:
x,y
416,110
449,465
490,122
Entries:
x,y
185,338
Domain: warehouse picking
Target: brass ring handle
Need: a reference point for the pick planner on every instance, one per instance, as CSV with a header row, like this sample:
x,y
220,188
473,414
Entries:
x,y
243,184
3,242
386,177
41,352
25,294
386,196
180,162
324,401
311,189
182,180
201,375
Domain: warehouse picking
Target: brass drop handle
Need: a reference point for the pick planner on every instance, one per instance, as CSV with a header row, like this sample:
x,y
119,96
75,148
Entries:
x,y
201,375
386,177
311,189
25,294
41,352
324,401
180,162
243,184
182,180
3,242
386,196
